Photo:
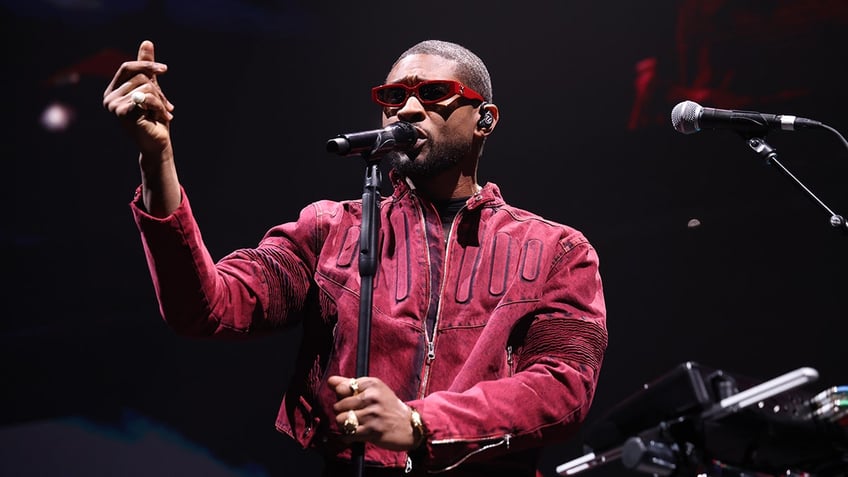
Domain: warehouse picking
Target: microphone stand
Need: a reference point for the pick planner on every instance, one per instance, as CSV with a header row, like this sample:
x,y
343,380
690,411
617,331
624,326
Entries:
x,y
368,258
761,147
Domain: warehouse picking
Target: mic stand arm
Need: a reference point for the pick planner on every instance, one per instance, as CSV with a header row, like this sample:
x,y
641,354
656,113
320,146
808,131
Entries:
x,y
368,258
761,147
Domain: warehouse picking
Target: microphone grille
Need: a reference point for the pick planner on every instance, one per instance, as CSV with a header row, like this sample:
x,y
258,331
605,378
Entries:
x,y
684,117
405,128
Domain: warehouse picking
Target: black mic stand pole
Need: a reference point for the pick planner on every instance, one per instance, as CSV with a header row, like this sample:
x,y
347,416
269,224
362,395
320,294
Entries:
x,y
368,258
761,147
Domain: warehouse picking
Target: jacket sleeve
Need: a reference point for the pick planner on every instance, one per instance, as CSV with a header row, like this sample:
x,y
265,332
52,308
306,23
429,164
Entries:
x,y
249,290
547,398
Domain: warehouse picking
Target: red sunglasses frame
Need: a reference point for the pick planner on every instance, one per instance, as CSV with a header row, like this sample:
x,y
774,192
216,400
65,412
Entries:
x,y
455,88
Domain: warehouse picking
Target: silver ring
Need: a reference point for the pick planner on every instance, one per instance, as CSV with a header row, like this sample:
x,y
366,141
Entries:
x,y
138,98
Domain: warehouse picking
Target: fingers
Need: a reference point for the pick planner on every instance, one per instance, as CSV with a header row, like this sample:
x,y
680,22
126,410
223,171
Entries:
x,y
135,98
346,387
139,97
346,416
144,68
136,78
352,395
369,411
137,72
145,51
151,104
146,54
350,425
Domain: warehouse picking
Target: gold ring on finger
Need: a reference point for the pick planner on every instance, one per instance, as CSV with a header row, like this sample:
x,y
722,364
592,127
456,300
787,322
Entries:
x,y
351,423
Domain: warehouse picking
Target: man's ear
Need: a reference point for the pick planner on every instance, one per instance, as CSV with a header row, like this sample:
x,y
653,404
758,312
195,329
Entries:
x,y
488,117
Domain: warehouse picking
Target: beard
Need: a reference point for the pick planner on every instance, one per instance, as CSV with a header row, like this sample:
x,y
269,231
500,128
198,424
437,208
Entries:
x,y
439,158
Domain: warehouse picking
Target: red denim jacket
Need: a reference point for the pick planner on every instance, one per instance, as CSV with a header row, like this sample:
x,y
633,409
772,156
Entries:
x,y
510,358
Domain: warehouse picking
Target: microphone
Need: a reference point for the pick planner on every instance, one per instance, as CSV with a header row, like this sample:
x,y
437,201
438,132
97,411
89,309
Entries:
x,y
690,117
396,136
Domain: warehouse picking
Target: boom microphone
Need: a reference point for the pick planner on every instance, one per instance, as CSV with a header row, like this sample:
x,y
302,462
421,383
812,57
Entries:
x,y
396,136
690,117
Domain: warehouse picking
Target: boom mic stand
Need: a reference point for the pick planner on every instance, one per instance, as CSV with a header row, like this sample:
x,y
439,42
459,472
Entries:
x,y
761,147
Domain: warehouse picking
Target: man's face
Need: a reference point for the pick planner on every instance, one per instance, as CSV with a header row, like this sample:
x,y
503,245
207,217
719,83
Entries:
x,y
445,129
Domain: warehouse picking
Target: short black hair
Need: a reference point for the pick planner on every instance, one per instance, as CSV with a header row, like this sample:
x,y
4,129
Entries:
x,y
470,68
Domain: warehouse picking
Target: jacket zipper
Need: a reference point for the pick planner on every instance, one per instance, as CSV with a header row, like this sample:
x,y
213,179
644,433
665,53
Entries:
x,y
431,354
503,441
431,344
431,340
500,442
445,264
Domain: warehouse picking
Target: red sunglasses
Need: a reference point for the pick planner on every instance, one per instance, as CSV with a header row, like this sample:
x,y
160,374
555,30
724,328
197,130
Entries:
x,y
394,95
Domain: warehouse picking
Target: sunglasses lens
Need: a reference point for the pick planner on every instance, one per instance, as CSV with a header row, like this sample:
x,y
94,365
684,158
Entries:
x,y
433,92
428,92
393,95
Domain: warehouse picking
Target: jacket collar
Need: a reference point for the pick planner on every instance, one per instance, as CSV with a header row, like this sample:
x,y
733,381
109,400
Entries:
x,y
488,195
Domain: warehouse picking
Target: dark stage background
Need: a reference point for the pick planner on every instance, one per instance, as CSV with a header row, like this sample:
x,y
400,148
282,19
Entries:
x,y
94,384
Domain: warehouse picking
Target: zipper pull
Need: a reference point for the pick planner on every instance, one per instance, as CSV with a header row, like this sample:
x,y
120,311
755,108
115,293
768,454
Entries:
x,y
431,352
408,467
